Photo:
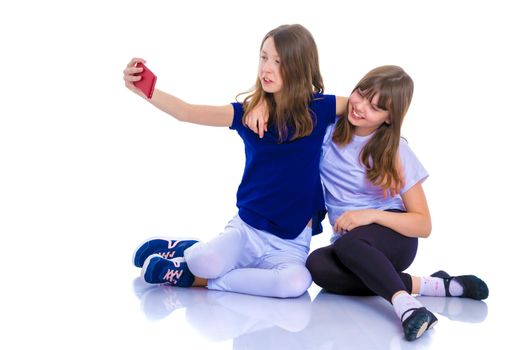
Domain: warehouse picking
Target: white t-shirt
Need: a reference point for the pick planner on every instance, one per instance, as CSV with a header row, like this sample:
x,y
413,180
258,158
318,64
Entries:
x,y
344,177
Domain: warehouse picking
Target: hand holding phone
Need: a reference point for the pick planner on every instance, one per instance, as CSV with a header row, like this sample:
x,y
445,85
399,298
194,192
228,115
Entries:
x,y
147,83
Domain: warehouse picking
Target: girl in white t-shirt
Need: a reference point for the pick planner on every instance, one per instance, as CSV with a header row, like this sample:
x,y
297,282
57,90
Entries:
x,y
376,229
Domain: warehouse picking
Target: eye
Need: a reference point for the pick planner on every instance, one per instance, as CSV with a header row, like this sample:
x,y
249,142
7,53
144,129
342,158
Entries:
x,y
278,61
379,109
264,58
375,107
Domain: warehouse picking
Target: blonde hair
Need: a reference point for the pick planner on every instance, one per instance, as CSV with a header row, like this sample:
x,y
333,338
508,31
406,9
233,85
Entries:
x,y
301,76
379,156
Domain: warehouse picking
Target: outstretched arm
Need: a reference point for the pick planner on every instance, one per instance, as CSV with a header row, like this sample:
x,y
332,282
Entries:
x,y
177,108
414,223
196,114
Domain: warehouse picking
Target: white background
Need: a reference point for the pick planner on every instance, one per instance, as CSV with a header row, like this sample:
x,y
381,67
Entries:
x,y
88,169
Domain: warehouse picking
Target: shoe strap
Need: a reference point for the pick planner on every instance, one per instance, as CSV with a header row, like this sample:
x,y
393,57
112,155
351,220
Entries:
x,y
412,309
446,281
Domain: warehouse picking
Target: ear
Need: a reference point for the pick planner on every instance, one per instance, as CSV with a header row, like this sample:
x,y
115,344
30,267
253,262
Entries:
x,y
387,121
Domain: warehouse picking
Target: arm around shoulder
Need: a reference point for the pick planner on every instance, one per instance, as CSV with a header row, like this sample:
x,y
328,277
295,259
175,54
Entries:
x,y
341,105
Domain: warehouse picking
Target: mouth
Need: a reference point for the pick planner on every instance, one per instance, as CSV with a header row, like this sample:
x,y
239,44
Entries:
x,y
266,80
356,116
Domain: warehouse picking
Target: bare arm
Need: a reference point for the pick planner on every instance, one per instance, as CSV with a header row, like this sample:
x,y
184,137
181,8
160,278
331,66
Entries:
x,y
414,223
177,108
341,106
196,114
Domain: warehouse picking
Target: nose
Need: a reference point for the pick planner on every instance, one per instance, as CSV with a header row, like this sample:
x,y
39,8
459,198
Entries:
x,y
360,105
267,67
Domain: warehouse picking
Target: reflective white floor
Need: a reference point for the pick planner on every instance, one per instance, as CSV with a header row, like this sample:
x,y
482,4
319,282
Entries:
x,y
313,321
97,300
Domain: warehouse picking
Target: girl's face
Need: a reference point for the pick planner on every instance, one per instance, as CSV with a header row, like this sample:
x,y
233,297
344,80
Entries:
x,y
270,68
365,115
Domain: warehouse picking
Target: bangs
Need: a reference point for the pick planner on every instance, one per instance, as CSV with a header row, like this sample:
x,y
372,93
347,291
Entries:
x,y
369,89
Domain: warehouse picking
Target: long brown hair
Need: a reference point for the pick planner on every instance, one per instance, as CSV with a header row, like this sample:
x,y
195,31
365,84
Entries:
x,y
379,156
301,76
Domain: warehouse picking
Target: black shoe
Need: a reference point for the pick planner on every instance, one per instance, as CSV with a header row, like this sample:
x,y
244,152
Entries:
x,y
432,322
473,287
417,323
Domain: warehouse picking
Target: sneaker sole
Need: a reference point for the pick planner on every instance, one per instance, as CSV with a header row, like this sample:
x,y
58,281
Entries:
x,y
422,329
432,325
418,327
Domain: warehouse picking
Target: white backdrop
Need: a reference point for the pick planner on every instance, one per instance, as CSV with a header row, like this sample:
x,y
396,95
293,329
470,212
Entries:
x,y
88,170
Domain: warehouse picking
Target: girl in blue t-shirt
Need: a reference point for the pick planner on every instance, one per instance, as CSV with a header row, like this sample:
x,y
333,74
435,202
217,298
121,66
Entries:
x,y
376,230
263,249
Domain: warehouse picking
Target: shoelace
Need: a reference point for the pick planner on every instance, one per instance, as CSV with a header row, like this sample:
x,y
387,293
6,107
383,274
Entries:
x,y
167,255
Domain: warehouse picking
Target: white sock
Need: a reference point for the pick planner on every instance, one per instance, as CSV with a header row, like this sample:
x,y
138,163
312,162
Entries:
x,y
435,287
403,302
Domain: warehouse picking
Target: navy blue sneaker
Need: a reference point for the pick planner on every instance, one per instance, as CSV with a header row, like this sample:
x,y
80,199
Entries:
x,y
419,321
157,270
473,287
165,247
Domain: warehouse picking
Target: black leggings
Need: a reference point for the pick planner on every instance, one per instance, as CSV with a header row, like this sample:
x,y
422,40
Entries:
x,y
368,260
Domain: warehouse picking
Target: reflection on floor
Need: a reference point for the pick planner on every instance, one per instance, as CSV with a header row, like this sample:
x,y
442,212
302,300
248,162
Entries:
x,y
328,322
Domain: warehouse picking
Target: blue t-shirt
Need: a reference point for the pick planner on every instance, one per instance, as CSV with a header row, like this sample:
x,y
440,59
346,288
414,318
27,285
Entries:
x,y
281,187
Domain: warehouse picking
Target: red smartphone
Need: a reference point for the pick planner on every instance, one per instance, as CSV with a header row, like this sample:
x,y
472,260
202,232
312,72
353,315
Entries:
x,y
147,83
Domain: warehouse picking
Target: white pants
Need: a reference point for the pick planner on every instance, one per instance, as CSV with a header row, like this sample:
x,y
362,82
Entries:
x,y
246,260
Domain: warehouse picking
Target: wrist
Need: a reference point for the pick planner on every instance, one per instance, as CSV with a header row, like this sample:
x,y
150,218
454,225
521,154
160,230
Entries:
x,y
375,216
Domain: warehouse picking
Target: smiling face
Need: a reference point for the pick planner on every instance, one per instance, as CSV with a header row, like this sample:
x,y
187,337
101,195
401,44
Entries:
x,y
365,114
270,68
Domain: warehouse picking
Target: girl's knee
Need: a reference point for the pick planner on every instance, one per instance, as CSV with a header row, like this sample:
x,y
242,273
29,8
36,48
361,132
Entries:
x,y
205,263
346,245
293,282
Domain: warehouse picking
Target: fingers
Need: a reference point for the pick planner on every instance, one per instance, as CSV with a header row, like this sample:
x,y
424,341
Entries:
x,y
131,74
342,228
257,124
257,121
131,77
336,225
131,71
252,123
134,62
341,224
262,128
